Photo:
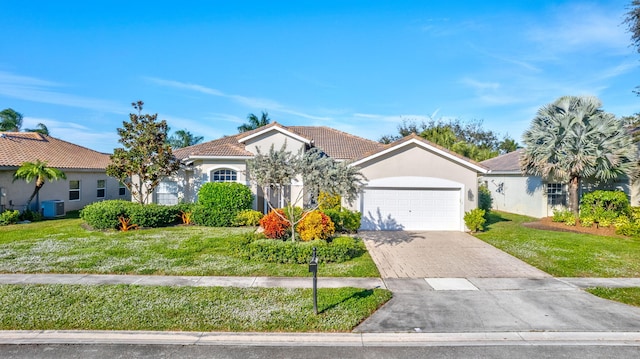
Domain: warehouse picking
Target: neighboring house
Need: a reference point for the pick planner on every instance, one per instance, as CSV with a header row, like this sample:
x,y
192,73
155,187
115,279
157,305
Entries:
x,y
412,184
86,181
514,192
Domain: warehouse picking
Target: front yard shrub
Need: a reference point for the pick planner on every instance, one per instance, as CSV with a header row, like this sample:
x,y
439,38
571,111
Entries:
x,y
105,214
31,216
474,220
345,221
222,200
563,216
485,201
247,217
327,201
315,226
9,217
339,250
274,225
152,215
604,206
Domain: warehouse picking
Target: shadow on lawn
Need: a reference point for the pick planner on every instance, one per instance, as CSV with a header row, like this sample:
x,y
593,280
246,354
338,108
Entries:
x,y
494,218
358,295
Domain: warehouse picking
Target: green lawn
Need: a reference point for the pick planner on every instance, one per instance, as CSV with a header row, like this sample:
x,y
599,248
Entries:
x,y
629,296
64,246
563,254
131,307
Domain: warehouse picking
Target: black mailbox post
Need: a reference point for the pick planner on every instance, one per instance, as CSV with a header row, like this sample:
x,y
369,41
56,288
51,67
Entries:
x,y
313,268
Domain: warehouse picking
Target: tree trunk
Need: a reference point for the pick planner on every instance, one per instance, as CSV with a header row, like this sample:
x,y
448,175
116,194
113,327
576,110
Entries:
x,y
35,192
574,201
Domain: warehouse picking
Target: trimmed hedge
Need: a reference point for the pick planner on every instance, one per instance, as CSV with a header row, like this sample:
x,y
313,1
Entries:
x,y
247,217
220,202
105,214
339,250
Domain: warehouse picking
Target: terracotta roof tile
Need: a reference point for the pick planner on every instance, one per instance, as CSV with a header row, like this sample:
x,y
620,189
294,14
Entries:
x,y
19,147
337,144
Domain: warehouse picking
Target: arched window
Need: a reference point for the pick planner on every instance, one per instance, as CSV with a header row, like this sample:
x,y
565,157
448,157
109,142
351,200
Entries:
x,y
224,175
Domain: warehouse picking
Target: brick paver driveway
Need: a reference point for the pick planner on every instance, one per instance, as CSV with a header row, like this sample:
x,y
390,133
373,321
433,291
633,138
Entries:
x,y
400,254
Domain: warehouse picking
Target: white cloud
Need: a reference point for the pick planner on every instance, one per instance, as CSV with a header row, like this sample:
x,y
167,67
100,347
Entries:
x,y
43,91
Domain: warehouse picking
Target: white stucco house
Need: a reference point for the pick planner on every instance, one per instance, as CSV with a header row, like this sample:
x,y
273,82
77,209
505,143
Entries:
x,y
514,192
412,184
84,168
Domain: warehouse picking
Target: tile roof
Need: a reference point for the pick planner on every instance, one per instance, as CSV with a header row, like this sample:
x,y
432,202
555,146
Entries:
x,y
336,144
19,147
509,162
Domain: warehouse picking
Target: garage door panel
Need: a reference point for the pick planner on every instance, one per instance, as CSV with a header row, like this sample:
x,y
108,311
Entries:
x,y
411,209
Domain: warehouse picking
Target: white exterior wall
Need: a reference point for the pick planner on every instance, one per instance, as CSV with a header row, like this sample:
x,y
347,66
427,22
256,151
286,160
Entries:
x,y
518,194
18,192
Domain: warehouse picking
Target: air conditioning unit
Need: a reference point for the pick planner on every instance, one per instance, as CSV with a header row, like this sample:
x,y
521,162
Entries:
x,y
53,208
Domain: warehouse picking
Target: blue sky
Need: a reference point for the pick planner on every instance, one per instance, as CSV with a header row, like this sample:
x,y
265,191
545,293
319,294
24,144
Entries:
x,y
358,66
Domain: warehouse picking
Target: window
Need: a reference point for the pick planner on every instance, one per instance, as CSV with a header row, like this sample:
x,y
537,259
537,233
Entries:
x,y
225,175
74,190
167,193
102,186
122,190
556,194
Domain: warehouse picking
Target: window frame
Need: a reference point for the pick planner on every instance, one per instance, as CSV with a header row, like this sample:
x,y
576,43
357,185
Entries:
x,y
75,190
103,188
227,175
556,194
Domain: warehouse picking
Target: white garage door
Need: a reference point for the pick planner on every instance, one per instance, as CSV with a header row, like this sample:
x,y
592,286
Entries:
x,y
411,209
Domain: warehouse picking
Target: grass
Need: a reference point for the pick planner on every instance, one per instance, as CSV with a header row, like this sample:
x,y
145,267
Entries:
x,y
64,246
563,254
131,307
629,296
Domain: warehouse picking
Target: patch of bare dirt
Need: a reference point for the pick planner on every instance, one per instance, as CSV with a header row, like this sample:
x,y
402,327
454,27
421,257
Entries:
x,y
549,225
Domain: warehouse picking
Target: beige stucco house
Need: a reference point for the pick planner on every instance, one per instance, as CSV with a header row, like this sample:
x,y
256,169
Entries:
x,y
514,192
84,168
412,184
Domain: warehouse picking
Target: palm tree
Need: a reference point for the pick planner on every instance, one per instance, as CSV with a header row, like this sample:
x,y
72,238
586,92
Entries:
x,y
10,120
255,122
183,138
572,139
39,171
41,129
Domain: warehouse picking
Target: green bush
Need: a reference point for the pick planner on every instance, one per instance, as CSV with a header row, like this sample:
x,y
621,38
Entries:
x,y
627,226
31,216
247,217
562,216
152,215
9,217
223,201
346,221
474,219
104,214
339,250
485,202
604,206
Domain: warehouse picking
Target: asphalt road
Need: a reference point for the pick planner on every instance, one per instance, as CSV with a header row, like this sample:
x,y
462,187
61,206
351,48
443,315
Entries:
x,y
101,351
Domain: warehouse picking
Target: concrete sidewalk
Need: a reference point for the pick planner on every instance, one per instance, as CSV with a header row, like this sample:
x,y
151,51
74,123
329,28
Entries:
x,y
422,312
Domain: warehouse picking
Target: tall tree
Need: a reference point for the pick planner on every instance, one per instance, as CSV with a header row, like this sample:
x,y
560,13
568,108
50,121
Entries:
x,y
573,139
40,128
507,145
146,157
183,138
39,171
468,139
10,120
319,173
254,122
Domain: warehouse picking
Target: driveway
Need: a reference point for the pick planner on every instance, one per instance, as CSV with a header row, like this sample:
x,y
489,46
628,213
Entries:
x,y
400,254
